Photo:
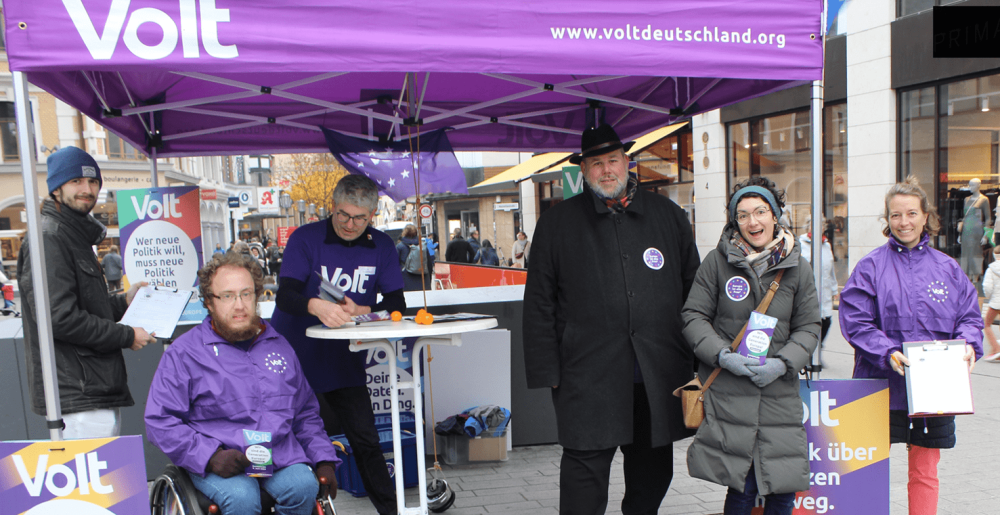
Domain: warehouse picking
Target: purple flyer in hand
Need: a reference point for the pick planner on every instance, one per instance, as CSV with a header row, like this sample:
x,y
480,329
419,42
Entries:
x,y
757,338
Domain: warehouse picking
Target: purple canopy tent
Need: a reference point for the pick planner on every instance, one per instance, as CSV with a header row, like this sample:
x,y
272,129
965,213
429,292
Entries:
x,y
209,77
219,76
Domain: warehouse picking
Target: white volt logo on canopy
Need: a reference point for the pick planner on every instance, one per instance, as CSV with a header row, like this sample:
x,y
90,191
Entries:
x,y
102,47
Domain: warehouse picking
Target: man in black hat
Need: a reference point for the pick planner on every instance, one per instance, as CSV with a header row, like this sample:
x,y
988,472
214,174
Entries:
x,y
610,270
93,385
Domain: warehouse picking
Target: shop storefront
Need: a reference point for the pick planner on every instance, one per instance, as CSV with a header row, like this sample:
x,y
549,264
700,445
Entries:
x,y
949,137
779,147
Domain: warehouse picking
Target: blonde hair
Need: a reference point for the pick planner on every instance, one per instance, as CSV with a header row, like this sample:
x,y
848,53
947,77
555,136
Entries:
x,y
911,186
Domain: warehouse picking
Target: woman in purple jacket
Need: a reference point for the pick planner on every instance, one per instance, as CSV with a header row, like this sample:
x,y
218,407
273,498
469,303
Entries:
x,y
905,291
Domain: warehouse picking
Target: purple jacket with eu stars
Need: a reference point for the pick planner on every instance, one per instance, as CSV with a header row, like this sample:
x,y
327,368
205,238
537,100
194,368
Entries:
x,y
897,295
207,391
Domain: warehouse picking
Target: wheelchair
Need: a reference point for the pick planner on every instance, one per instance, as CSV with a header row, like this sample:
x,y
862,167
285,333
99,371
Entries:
x,y
173,493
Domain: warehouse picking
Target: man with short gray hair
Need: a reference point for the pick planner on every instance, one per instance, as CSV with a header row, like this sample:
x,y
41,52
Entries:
x,y
363,262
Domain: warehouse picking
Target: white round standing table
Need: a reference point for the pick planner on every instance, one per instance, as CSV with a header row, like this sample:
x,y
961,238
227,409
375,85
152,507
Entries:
x,y
381,335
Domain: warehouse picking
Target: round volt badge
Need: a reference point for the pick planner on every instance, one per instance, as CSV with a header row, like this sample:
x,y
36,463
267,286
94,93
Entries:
x,y
653,258
737,288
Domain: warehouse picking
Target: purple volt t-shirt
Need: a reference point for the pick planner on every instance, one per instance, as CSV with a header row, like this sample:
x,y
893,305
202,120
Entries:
x,y
362,270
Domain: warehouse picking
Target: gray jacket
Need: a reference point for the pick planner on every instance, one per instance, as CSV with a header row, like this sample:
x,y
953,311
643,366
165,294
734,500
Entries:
x,y
744,423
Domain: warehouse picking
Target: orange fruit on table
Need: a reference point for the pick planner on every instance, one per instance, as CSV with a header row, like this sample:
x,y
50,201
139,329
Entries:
x,y
396,316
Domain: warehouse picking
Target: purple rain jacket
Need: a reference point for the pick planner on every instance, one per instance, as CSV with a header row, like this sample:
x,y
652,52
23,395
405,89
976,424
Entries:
x,y
207,391
897,295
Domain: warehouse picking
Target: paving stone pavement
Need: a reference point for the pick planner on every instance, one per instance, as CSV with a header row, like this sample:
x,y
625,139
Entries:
x,y
528,483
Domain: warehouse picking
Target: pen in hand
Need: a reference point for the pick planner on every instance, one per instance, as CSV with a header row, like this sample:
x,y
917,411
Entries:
x,y
900,363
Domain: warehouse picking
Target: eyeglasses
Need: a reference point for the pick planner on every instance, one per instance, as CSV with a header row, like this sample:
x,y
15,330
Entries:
x,y
759,214
343,218
229,297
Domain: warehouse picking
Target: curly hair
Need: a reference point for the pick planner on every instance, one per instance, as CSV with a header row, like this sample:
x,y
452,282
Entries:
x,y
911,186
207,273
756,180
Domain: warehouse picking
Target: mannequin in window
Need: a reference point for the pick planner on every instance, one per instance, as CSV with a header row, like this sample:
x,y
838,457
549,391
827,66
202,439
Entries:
x,y
976,216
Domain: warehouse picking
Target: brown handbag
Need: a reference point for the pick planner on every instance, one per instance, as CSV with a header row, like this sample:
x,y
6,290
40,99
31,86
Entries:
x,y
692,394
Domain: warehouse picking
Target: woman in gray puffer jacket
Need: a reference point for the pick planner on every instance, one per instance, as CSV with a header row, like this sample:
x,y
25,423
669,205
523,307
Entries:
x,y
752,439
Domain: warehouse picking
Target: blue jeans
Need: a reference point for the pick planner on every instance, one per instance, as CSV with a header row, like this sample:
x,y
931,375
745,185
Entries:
x,y
740,503
294,489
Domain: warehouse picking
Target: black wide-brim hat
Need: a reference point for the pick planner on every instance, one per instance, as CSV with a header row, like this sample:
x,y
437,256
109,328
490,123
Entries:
x,y
598,141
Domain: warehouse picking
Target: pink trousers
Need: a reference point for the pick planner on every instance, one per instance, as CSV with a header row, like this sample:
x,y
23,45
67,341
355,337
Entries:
x,y
923,484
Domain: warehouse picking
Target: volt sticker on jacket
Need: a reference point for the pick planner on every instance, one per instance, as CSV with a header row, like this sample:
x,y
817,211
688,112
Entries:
x,y
276,363
653,258
737,288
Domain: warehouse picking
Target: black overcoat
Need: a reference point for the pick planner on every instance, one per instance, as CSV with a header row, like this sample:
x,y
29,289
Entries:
x,y
597,301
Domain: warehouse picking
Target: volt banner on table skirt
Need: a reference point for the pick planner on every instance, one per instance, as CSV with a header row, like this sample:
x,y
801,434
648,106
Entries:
x,y
98,476
847,424
377,369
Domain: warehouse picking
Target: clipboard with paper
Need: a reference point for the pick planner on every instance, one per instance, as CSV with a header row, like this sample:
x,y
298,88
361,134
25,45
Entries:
x,y
938,382
156,309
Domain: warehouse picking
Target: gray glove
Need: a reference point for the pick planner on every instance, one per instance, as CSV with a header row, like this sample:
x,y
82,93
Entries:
x,y
765,374
736,363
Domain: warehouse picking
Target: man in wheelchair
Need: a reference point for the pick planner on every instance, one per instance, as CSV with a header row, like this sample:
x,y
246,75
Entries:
x,y
234,383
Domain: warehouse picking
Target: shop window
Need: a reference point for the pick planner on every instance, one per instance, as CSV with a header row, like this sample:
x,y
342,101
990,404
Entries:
x,y
916,133
950,135
666,168
835,186
908,7
8,132
780,148
121,149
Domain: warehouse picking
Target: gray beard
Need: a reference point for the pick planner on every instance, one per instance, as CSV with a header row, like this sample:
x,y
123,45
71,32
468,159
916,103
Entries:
x,y
596,187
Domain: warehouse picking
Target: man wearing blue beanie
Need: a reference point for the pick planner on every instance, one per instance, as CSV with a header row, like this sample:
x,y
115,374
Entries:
x,y
93,385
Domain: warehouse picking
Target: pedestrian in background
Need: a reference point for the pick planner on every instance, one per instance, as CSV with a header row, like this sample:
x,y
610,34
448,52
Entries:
x,y
112,265
991,289
752,439
519,251
906,291
487,255
830,288
459,250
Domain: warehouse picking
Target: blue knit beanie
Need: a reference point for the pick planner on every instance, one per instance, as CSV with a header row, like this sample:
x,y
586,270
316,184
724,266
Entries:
x,y
70,163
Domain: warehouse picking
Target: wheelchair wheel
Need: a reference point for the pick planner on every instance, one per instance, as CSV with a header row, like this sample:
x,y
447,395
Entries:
x,y
174,494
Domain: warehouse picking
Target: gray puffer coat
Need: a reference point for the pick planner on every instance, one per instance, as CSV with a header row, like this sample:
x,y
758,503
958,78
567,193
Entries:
x,y
745,423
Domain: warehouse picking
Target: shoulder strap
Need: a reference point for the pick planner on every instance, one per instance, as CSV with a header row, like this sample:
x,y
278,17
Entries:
x,y
761,308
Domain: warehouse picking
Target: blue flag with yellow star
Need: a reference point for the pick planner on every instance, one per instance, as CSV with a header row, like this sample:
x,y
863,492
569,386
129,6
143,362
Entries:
x,y
392,166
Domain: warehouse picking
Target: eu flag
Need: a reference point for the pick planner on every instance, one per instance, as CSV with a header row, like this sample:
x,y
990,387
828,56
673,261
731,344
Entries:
x,y
392,167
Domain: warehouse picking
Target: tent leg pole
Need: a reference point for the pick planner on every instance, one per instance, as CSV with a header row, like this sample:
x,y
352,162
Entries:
x,y
817,203
25,132
154,180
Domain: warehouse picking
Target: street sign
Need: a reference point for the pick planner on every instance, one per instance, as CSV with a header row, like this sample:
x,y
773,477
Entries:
x,y
234,202
505,206
426,211
244,197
